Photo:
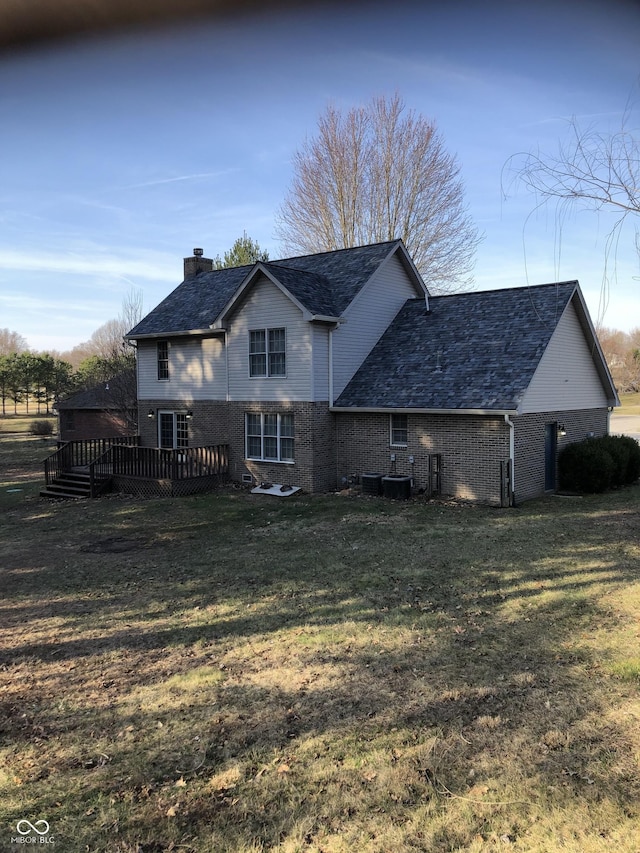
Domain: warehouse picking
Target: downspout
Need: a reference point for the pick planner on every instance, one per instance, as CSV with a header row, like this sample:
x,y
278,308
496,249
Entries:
x,y
512,455
226,361
331,331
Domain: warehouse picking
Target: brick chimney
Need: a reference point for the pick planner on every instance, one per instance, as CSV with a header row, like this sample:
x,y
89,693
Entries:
x,y
197,264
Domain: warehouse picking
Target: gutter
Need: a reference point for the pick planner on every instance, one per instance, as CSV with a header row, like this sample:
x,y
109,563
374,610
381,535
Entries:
x,y
202,333
414,410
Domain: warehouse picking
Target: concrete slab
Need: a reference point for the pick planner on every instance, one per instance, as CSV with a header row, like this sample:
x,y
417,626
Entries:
x,y
275,489
625,425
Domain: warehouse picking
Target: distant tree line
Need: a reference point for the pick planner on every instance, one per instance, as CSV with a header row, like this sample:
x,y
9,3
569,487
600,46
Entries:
x,y
37,380
33,380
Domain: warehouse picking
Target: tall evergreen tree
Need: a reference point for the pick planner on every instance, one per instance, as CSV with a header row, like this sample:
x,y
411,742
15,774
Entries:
x,y
243,252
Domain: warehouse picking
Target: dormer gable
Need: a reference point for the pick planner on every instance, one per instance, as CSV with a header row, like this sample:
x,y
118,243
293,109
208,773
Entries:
x,y
309,292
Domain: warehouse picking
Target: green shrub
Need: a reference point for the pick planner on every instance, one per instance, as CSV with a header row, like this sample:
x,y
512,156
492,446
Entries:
x,y
41,427
633,464
586,466
598,464
619,451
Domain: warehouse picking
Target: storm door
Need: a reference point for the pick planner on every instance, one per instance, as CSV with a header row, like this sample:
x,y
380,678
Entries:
x,y
550,454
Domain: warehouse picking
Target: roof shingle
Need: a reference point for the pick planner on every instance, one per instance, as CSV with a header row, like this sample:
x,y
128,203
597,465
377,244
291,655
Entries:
x,y
471,351
323,283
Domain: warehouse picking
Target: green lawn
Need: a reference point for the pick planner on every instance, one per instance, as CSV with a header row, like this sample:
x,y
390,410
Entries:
x,y
22,424
630,403
241,673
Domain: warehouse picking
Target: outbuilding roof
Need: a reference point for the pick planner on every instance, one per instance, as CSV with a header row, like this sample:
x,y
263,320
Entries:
x,y
110,394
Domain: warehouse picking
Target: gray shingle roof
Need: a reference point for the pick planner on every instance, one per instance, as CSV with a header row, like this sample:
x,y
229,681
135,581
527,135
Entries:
x,y
469,351
312,290
193,305
323,283
106,395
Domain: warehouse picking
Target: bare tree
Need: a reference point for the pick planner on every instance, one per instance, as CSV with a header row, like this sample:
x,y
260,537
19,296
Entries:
x,y
591,170
622,351
377,173
11,342
131,312
107,342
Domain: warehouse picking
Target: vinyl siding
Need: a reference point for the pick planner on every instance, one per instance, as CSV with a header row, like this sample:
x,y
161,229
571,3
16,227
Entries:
x,y
566,378
197,370
320,338
368,317
267,307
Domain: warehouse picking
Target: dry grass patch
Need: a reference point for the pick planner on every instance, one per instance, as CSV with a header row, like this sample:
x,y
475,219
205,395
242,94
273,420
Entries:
x,y
630,403
225,673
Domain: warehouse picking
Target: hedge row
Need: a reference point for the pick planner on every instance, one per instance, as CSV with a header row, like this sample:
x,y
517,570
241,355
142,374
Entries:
x,y
598,464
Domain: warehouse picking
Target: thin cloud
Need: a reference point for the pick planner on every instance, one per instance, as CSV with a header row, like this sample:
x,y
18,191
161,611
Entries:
x,y
151,267
160,181
35,304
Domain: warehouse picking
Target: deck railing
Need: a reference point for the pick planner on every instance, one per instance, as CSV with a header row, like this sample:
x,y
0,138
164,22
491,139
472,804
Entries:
x,y
80,453
153,463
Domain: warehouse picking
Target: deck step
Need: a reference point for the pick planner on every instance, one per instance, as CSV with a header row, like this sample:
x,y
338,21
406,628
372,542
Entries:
x,y
53,492
71,485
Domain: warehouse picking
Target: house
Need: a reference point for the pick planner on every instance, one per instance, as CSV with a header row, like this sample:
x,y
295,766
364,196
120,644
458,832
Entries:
x,y
316,369
106,410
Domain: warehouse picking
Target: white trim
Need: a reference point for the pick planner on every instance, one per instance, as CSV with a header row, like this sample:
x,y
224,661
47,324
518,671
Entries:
x,y
174,415
279,437
266,374
166,378
393,443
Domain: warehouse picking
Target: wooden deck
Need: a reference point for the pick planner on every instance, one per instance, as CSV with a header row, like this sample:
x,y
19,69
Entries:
x,y
98,465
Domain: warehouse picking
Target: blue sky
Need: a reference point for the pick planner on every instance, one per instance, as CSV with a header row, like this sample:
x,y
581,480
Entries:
x,y
121,154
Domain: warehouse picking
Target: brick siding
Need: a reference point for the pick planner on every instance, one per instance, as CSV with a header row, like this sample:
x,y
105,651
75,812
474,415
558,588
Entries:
x,y
471,447
530,444
330,448
314,446
220,422
209,425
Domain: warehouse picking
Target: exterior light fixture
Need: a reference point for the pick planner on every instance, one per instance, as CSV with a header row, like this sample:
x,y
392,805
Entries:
x,y
189,415
562,430
151,414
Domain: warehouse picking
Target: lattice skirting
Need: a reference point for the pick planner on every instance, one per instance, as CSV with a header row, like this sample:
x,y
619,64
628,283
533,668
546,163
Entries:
x,y
166,488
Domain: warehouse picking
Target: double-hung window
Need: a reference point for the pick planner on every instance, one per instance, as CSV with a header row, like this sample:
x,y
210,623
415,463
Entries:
x,y
269,436
399,430
267,352
163,359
